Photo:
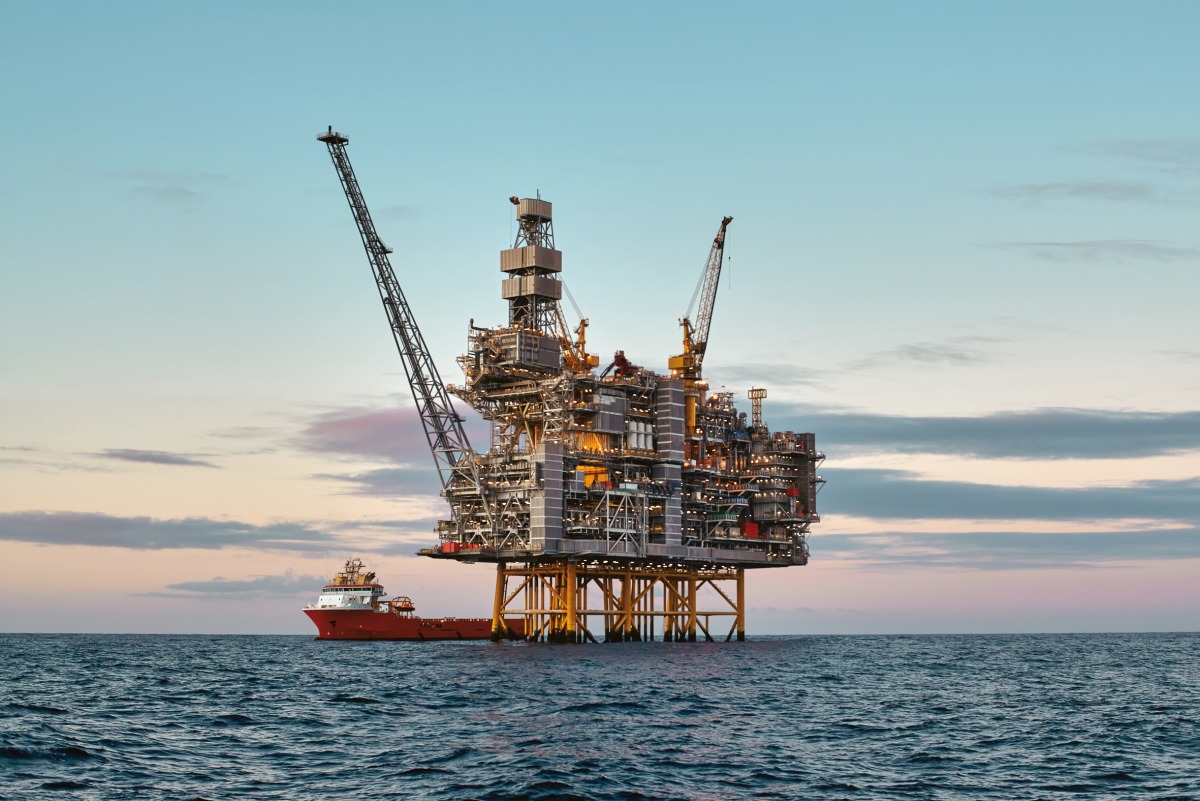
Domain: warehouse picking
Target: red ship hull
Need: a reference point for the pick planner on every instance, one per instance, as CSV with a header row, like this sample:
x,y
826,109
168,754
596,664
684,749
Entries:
x,y
365,624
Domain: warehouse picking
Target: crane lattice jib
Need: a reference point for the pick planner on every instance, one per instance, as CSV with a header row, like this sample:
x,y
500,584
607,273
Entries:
x,y
708,293
443,427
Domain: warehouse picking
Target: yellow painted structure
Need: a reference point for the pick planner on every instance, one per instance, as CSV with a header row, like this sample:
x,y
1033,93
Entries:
x,y
569,601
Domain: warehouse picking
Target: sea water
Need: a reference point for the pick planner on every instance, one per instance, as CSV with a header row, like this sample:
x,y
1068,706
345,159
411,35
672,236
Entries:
x,y
889,717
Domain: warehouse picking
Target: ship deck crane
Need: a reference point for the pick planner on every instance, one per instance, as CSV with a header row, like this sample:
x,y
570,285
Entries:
x,y
688,364
452,453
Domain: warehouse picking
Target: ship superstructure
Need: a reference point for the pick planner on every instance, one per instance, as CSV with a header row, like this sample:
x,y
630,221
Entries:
x,y
352,587
608,497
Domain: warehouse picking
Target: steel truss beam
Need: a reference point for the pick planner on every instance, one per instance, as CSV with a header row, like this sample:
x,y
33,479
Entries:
x,y
565,601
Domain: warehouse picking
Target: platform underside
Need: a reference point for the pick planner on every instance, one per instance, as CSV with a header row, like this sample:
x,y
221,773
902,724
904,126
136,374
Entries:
x,y
712,559
565,601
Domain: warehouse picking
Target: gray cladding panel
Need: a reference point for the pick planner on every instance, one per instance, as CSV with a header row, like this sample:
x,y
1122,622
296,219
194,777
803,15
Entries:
x,y
610,422
546,499
668,420
528,347
672,514
613,406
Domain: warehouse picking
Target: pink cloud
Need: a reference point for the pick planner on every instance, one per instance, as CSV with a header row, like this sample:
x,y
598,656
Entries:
x,y
393,434
388,434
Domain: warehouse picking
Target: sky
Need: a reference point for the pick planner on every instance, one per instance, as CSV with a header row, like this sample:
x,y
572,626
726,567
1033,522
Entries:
x,y
964,254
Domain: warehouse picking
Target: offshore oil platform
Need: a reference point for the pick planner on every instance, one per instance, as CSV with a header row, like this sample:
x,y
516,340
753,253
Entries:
x,y
615,502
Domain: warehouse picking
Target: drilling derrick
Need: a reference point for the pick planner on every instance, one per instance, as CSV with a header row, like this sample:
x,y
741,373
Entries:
x,y
617,504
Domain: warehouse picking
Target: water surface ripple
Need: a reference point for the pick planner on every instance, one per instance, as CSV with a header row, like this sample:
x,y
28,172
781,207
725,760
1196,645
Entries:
x,y
921,717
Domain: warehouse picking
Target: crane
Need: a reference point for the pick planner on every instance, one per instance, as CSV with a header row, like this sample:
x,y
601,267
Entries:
x,y
687,365
444,431
575,355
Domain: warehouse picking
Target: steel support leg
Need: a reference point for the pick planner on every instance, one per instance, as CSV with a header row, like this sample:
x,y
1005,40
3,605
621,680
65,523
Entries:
x,y
571,591
498,606
741,604
691,619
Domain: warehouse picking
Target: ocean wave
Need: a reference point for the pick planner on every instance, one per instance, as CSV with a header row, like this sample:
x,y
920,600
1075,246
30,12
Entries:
x,y
815,718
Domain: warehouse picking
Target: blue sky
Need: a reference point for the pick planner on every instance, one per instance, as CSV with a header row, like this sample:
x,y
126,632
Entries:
x,y
964,254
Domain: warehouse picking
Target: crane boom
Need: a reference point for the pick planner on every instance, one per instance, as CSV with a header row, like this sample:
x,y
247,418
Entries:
x,y
443,427
708,294
695,336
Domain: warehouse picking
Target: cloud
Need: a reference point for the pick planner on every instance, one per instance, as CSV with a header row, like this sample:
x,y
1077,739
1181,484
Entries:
x,y
953,352
144,533
166,176
171,194
1182,355
152,457
393,434
776,374
390,481
25,458
1009,550
1034,434
259,586
1179,155
247,432
899,495
1097,190
48,461
400,535
1168,511
410,546
184,190
1101,250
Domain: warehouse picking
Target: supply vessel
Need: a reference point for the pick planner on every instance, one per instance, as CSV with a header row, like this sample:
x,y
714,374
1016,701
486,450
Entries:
x,y
353,606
